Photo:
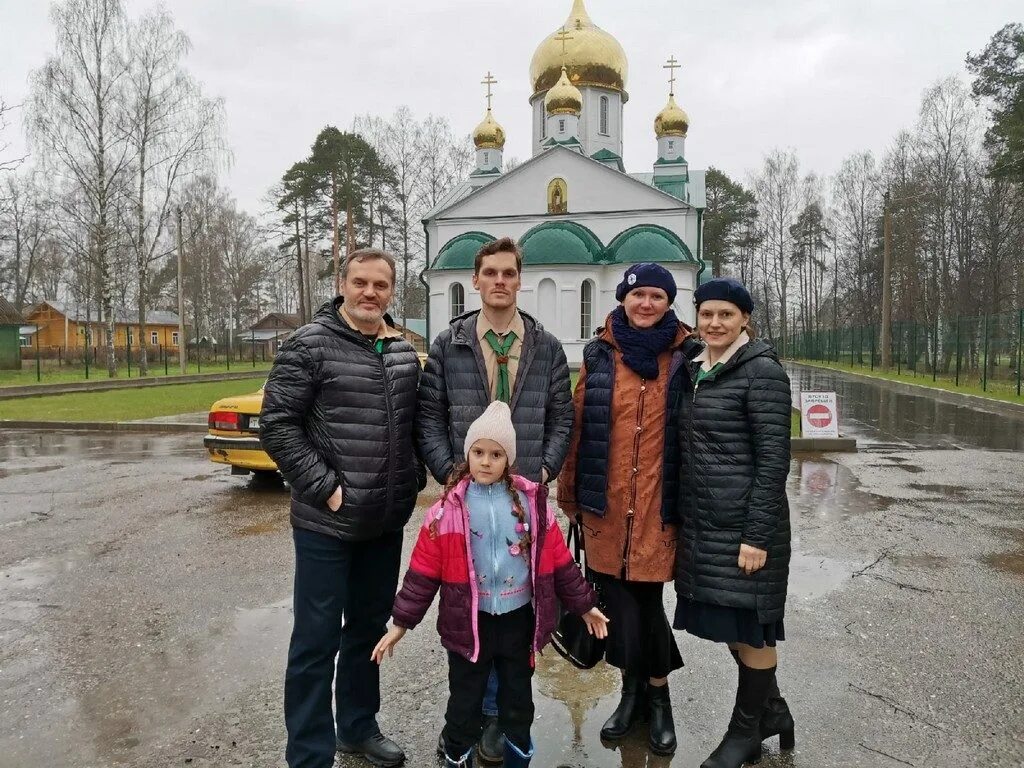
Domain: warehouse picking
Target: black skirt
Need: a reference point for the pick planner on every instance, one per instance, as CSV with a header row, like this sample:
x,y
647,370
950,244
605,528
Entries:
x,y
722,624
640,640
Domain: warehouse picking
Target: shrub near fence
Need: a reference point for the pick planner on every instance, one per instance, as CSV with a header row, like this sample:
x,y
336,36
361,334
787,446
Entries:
x,y
983,352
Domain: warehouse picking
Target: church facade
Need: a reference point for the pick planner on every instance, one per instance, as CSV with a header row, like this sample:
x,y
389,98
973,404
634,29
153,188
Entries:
x,y
580,219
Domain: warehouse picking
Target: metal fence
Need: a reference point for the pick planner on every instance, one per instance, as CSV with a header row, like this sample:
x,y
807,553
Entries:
x,y
67,364
970,352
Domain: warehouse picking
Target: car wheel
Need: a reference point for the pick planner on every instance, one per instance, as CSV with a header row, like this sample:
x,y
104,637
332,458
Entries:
x,y
270,476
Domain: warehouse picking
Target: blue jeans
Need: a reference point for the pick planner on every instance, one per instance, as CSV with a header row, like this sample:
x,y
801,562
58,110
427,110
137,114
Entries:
x,y
344,592
490,707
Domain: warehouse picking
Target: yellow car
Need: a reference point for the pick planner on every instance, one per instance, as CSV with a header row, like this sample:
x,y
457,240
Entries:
x,y
234,434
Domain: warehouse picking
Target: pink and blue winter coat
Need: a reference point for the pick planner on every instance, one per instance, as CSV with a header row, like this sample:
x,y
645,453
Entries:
x,y
442,560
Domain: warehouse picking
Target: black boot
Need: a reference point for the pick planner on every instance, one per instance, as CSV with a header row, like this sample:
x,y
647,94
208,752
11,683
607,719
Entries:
x,y
662,738
630,709
776,719
491,749
742,742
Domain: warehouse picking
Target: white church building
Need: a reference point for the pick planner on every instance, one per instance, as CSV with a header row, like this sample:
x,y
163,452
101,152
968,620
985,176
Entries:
x,y
578,217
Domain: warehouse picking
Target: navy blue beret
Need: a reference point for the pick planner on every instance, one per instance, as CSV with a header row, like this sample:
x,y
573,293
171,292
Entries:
x,y
725,289
647,275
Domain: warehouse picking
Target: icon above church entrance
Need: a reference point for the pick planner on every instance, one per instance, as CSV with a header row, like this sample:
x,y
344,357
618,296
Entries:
x,y
558,197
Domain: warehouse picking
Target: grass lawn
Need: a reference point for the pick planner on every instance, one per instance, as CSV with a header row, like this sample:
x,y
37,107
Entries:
x,y
51,374
126,404
997,390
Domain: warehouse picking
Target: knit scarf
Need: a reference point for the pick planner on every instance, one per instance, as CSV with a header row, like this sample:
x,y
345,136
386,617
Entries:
x,y
641,347
501,349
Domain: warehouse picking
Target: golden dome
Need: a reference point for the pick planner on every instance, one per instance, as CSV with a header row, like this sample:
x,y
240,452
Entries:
x,y
672,120
563,97
592,56
489,135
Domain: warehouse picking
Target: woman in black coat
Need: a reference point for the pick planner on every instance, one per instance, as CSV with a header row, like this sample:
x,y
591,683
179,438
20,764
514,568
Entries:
x,y
732,562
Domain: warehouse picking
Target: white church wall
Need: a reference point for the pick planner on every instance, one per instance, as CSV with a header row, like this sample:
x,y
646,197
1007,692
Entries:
x,y
590,121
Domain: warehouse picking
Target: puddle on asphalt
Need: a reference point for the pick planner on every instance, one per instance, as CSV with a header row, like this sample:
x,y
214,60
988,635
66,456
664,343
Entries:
x,y
13,471
825,490
918,562
16,443
944,491
1010,561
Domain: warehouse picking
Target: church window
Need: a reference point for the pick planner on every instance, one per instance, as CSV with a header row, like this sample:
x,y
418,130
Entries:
x,y
561,125
671,144
586,309
487,159
543,123
604,116
457,299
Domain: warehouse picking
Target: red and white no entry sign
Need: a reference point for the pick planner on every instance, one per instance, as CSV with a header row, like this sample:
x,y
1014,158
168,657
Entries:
x,y
818,414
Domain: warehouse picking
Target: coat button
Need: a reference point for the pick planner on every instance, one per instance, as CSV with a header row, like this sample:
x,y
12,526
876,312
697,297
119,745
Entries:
x,y
635,470
643,388
638,427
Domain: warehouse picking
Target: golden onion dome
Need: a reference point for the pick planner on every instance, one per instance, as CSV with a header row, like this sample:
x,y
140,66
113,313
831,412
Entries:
x,y
489,135
672,120
563,97
592,56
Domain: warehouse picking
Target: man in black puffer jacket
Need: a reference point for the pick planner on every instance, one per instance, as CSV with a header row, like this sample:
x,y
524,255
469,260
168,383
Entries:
x,y
496,353
337,419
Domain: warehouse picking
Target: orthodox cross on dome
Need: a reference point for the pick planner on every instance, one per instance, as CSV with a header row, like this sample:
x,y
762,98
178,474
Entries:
x,y
672,65
563,37
489,81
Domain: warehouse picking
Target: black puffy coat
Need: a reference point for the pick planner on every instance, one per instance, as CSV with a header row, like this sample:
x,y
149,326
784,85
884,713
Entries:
x,y
734,437
337,412
454,391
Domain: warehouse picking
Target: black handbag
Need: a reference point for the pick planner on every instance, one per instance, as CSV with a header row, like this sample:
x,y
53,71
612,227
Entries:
x,y
571,639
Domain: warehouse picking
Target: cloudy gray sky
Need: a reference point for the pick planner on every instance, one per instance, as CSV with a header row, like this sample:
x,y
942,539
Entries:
x,y
826,77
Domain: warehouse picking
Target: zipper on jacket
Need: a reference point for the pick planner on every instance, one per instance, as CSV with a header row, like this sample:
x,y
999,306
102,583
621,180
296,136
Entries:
x,y
391,422
693,494
631,510
494,548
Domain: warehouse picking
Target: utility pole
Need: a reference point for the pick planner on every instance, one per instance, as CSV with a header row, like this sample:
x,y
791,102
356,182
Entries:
x,y
885,337
182,345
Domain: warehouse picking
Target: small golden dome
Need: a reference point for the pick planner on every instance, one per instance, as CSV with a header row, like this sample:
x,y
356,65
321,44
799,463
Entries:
x,y
489,135
672,120
592,56
563,97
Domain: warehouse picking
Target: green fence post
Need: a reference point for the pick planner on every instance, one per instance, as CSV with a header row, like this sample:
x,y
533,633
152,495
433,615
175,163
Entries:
x,y
872,328
128,354
935,350
984,370
39,367
899,348
85,354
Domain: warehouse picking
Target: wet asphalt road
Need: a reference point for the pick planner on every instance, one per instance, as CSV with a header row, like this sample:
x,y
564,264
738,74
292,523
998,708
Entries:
x,y
144,610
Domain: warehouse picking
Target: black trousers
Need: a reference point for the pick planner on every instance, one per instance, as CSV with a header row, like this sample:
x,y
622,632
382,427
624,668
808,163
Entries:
x,y
506,644
344,592
640,640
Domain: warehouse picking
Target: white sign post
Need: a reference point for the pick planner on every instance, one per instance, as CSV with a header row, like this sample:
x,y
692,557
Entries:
x,y
819,416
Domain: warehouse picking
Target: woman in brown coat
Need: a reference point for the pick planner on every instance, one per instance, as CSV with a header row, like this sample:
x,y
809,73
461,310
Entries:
x,y
620,483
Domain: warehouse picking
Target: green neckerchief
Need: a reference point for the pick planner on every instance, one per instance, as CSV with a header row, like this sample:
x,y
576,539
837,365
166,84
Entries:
x,y
504,391
379,346
702,374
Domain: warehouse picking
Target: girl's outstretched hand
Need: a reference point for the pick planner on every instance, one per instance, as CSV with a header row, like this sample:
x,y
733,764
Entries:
x,y
387,644
597,623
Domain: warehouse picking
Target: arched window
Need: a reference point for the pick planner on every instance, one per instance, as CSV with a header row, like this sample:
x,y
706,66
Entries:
x,y
561,125
456,299
604,116
547,304
586,309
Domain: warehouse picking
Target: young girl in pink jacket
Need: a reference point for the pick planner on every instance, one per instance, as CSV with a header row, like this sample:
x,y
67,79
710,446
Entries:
x,y
493,549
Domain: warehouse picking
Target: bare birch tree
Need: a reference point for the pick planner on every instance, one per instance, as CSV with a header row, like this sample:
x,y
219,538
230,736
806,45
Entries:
x,y
77,118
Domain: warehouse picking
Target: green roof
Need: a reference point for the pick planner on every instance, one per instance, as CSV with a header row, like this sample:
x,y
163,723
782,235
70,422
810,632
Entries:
x,y
561,242
648,242
460,252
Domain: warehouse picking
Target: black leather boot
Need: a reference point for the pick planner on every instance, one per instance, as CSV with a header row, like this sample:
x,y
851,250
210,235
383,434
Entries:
x,y
378,749
631,708
776,719
662,738
742,741
491,749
